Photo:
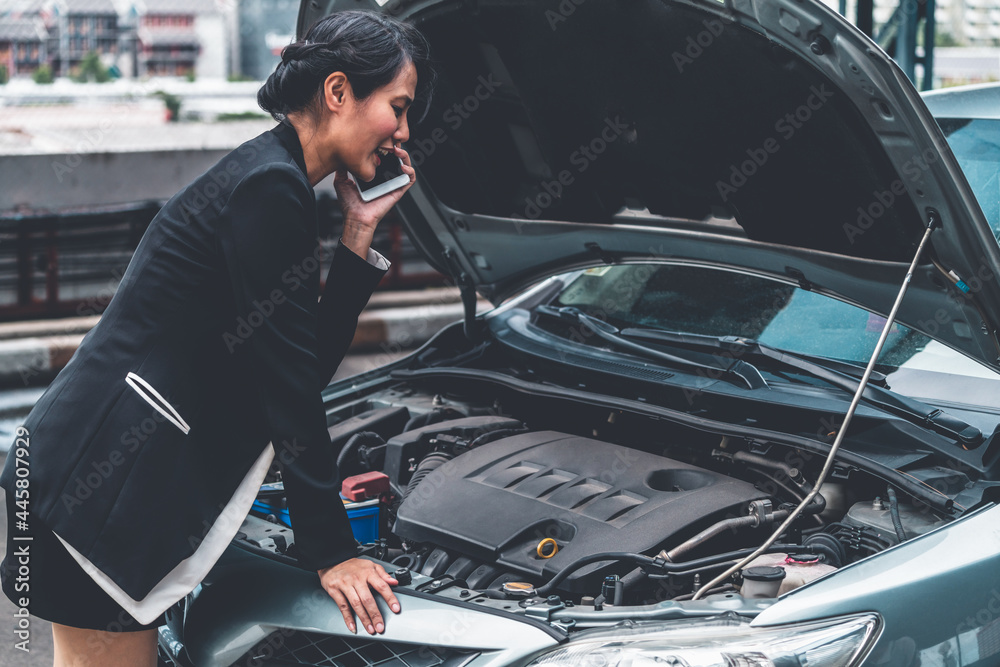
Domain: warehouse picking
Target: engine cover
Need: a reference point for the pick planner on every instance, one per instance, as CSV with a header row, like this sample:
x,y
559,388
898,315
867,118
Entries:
x,y
498,501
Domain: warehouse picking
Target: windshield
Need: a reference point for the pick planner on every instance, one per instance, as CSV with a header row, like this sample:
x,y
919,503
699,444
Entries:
x,y
717,302
976,144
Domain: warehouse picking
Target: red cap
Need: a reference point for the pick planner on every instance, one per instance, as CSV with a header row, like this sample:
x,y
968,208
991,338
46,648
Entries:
x,y
364,486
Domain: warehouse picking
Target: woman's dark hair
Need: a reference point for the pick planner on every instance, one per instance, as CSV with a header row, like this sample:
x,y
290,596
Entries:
x,y
368,47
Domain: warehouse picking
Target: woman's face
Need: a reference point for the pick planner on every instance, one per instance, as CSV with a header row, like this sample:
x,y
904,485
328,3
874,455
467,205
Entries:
x,y
371,127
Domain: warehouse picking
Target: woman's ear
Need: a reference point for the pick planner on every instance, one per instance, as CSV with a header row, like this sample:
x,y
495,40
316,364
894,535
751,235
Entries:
x,y
336,91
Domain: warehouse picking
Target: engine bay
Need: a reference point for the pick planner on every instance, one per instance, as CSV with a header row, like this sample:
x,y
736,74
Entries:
x,y
500,496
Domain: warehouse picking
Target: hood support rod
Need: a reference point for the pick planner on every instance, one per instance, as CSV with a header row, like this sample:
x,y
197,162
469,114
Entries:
x,y
932,224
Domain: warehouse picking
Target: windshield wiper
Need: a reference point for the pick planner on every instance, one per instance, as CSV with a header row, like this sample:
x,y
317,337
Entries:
x,y
739,371
740,345
833,372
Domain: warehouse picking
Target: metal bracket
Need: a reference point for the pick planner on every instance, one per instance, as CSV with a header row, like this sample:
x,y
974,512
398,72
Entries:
x,y
543,610
437,584
760,510
565,624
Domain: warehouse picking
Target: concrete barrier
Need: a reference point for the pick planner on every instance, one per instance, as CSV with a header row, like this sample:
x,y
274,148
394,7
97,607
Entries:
x,y
99,175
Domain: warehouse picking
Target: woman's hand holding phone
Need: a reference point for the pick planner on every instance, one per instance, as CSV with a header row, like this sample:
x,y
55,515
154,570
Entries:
x,y
362,217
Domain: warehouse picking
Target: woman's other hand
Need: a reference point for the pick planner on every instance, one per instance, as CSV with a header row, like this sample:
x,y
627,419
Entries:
x,y
350,583
360,216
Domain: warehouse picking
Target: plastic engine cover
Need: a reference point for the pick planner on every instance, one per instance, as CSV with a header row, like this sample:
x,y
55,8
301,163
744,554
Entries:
x,y
498,501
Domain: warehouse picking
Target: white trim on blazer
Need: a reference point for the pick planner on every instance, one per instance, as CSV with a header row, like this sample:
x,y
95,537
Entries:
x,y
192,570
166,409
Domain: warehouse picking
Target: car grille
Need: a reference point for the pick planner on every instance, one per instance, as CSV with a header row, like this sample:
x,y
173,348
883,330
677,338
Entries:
x,y
291,647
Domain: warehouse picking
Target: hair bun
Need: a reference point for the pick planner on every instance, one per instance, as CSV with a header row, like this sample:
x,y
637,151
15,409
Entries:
x,y
368,47
301,51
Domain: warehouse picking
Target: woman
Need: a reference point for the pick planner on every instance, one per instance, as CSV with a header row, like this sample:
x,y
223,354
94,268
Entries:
x,y
136,467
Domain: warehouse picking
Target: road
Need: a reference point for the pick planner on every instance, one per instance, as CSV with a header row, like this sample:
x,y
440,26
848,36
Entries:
x,y
40,639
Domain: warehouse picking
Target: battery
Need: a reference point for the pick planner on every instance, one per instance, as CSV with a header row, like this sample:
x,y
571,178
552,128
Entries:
x,y
363,515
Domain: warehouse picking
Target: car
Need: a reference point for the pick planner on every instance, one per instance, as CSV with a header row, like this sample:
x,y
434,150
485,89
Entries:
x,y
738,400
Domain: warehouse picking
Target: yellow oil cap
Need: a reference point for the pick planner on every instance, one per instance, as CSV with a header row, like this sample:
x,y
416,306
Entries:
x,y
547,548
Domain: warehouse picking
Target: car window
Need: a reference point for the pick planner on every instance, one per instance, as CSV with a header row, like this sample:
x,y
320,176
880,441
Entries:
x,y
717,302
976,144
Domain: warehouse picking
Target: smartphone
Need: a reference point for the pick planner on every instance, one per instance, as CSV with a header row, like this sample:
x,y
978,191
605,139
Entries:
x,y
389,176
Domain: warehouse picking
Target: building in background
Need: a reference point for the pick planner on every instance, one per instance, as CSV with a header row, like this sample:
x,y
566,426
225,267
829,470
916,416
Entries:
x,y
78,27
265,27
23,45
166,41
71,29
214,26
181,37
135,38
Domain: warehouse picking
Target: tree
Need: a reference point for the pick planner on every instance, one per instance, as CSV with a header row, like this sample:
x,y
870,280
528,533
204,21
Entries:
x,y
945,38
92,69
43,74
4,75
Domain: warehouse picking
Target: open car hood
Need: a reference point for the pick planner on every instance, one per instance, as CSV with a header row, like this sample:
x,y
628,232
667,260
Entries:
x,y
769,135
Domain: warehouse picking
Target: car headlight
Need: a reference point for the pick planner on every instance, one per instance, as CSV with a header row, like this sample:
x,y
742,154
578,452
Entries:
x,y
725,641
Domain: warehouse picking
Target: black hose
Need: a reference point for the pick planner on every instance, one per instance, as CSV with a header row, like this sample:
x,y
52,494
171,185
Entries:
x,y
633,579
696,570
697,566
817,505
792,473
659,564
638,559
353,444
797,494
429,464
894,513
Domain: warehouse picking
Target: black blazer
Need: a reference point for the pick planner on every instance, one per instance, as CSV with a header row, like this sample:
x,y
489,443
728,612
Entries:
x,y
218,313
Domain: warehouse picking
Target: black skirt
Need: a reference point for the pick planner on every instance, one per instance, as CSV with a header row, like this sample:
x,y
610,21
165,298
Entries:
x,y
53,585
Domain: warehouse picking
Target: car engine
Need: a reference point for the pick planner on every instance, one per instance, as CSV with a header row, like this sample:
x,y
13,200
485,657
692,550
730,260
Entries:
x,y
497,504
508,497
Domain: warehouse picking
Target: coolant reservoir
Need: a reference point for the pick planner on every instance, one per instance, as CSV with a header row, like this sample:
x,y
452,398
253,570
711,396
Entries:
x,y
799,570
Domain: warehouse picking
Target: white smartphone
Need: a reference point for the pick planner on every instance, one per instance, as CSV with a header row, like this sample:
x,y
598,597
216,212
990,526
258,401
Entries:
x,y
389,176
